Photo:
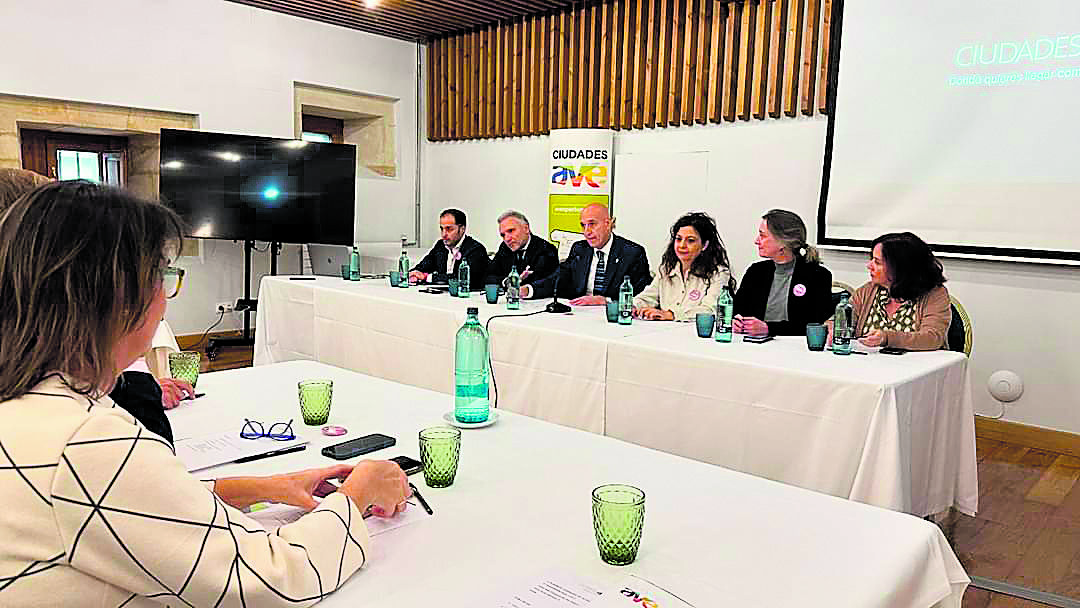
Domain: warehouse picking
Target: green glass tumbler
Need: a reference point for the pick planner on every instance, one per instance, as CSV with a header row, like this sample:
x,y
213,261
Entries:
x,y
611,309
315,398
440,447
618,518
185,366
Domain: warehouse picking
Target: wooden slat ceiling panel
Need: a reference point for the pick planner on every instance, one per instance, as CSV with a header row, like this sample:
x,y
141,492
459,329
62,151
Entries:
x,y
414,20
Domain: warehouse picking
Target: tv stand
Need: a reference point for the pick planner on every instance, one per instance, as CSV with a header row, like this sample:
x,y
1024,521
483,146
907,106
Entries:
x,y
247,304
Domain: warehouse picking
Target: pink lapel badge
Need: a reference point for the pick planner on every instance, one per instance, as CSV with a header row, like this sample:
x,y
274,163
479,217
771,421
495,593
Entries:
x,y
695,295
799,290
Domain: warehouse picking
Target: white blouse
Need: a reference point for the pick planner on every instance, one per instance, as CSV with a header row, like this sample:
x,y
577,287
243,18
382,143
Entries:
x,y
683,298
97,511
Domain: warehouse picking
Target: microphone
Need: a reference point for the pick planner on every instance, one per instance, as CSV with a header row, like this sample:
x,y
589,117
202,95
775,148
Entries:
x,y
555,306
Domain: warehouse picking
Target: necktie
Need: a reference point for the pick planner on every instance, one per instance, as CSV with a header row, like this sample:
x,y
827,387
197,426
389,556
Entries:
x,y
598,282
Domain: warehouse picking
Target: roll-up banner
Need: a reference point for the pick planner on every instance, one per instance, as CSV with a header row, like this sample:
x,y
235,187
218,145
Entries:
x,y
581,163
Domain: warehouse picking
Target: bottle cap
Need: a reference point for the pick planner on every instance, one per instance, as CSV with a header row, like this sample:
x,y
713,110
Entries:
x,y
472,310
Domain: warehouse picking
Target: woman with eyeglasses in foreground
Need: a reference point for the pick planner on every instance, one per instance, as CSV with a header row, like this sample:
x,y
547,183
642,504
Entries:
x,y
100,511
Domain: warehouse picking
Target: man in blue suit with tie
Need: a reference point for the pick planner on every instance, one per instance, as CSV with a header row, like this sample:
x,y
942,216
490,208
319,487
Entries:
x,y
596,266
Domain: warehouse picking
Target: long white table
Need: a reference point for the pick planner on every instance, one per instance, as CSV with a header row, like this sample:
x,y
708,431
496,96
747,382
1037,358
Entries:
x,y
885,430
896,432
520,505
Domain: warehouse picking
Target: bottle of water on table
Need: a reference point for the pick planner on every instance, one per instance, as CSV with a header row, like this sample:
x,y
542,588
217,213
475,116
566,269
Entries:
x,y
725,308
843,327
471,370
513,289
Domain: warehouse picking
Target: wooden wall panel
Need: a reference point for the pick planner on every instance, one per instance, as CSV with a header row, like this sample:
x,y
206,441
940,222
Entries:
x,y
810,55
631,64
793,63
826,37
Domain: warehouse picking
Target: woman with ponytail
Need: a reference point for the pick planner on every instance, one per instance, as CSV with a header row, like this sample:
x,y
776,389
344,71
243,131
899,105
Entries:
x,y
782,294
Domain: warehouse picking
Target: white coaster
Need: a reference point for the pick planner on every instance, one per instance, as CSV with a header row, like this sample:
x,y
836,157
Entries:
x,y
493,417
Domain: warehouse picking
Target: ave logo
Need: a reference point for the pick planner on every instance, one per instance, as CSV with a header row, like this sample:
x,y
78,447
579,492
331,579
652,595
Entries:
x,y
592,176
638,599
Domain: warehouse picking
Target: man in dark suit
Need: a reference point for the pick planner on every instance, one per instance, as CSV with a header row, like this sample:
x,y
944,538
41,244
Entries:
x,y
533,257
444,259
596,266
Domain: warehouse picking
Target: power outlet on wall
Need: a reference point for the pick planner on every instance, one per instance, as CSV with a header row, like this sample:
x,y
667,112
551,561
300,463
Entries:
x,y
226,307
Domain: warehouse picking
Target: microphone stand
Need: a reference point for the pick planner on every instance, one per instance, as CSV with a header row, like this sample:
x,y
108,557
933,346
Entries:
x,y
555,306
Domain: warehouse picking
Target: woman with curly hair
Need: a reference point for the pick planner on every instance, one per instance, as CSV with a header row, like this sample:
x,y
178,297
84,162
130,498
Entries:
x,y
692,272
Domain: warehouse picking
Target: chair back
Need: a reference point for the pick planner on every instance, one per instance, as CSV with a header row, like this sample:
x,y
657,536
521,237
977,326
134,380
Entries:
x,y
838,288
960,335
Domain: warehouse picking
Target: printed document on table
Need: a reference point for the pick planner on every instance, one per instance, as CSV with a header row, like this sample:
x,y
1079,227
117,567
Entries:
x,y
276,515
554,589
220,448
563,589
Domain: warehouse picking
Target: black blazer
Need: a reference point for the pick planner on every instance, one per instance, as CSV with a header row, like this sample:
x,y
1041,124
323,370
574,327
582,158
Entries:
x,y
813,306
540,257
140,394
471,250
627,259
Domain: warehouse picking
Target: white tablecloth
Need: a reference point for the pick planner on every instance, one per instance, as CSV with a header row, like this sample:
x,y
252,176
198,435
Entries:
x,y
896,432
548,366
892,431
520,505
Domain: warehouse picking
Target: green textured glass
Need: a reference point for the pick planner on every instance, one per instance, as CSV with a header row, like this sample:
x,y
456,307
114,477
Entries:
x,y
185,366
440,447
618,517
315,397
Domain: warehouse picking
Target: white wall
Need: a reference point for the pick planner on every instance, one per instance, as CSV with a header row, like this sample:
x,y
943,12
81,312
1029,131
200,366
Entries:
x,y
1023,315
232,65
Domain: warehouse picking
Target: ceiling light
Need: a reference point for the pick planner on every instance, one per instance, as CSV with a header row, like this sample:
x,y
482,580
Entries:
x,y
371,3
231,157
172,164
295,143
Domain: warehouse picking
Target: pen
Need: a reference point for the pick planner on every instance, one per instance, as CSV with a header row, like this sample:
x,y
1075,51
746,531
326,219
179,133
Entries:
x,y
301,278
195,396
290,450
423,503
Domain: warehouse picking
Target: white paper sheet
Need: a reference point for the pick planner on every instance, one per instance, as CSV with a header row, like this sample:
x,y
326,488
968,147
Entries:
x,y
552,589
199,453
275,515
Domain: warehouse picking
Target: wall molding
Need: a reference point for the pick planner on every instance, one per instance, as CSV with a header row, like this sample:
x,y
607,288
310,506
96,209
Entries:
x,y
1051,440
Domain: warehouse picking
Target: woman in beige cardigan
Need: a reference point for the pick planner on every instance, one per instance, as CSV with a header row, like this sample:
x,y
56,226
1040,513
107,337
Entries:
x,y
98,511
905,303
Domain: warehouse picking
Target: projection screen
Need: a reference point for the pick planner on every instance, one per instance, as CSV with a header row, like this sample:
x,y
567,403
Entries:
x,y
959,121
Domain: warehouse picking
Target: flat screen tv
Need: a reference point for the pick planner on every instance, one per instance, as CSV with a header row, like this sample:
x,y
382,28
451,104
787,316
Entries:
x,y
239,187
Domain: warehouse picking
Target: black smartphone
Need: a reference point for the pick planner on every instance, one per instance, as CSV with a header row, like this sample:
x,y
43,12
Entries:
x,y
409,465
756,339
360,445
890,350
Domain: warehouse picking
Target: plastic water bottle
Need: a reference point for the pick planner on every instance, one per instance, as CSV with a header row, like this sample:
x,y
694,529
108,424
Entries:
x,y
843,328
471,371
725,308
354,264
463,279
403,268
626,302
513,289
